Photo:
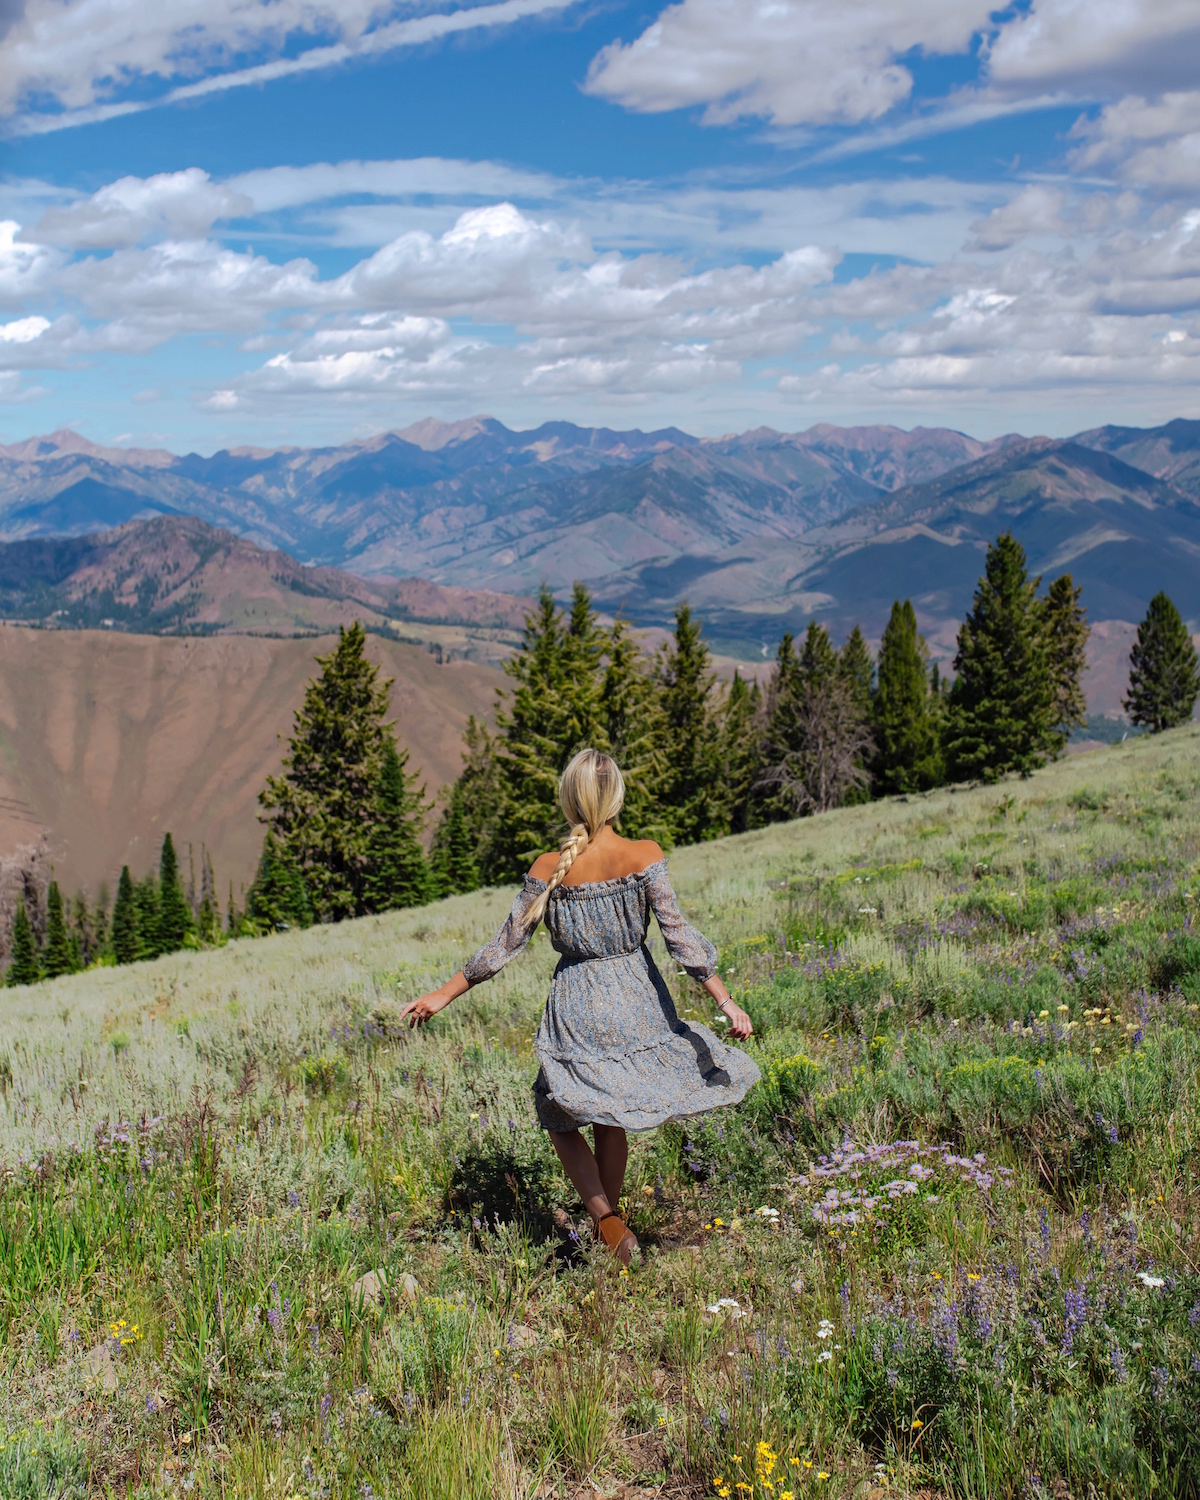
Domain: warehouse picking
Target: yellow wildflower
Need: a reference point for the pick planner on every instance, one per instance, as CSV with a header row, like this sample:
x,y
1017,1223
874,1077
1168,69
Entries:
x,y
917,1424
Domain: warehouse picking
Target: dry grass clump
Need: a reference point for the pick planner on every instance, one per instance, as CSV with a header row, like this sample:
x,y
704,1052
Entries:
x,y
256,1241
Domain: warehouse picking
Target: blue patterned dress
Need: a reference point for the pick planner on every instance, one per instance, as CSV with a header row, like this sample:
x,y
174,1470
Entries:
x,y
612,1049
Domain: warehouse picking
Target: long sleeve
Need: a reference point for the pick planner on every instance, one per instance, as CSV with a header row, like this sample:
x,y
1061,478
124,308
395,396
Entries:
x,y
508,942
685,944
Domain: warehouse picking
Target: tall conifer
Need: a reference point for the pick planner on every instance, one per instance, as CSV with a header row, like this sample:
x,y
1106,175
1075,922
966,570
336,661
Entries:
x,y
452,856
174,914
907,755
740,734
693,798
397,872
1163,678
633,733
23,965
1002,700
1066,627
56,958
126,940
858,669
145,898
278,897
320,807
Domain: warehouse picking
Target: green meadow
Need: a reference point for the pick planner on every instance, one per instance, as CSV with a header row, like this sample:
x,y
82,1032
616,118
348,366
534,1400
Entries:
x,y
255,1240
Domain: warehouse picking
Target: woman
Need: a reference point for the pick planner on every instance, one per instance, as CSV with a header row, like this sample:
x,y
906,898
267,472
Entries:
x,y
614,1054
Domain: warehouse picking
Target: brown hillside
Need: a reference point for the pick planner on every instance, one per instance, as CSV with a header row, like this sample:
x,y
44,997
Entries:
x,y
109,739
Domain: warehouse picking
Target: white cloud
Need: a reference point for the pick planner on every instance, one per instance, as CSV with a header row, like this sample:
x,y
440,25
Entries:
x,y
1035,211
1084,47
94,58
1151,144
792,61
272,188
172,205
23,330
24,269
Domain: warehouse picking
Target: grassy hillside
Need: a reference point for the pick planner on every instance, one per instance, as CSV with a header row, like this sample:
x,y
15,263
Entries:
x,y
947,1246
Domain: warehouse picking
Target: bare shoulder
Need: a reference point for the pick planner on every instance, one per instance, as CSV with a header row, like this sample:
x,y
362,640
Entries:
x,y
648,853
543,866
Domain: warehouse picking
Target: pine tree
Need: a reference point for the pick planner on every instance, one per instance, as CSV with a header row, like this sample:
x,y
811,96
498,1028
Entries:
x,y
397,872
907,754
1002,700
23,966
858,669
740,733
174,914
452,855
858,672
634,734
126,940
232,920
1164,681
278,897
1065,623
145,899
320,807
816,736
481,790
56,958
693,798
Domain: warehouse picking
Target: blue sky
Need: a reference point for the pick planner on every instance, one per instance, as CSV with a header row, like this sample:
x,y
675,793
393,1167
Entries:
x,y
229,221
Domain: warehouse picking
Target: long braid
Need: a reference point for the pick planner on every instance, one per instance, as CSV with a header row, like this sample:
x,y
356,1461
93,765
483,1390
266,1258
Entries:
x,y
572,847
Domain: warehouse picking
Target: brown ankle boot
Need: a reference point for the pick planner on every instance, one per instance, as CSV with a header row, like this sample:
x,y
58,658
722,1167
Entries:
x,y
618,1236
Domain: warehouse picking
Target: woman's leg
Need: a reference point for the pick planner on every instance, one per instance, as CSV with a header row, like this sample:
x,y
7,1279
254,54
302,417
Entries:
x,y
580,1166
612,1153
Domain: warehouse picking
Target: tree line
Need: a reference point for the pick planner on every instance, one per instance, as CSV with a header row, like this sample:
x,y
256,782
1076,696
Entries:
x,y
149,917
346,821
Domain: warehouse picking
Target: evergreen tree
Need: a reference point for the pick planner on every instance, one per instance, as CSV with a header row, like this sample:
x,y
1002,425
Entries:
x,y
208,916
784,697
1066,627
480,788
859,670
907,754
816,737
397,872
1163,678
145,899
57,957
174,914
232,920
452,855
740,732
693,797
1002,701
126,939
634,734
320,807
278,897
23,965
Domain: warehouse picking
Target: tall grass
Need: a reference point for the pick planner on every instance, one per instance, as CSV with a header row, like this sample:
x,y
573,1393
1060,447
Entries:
x,y
948,1244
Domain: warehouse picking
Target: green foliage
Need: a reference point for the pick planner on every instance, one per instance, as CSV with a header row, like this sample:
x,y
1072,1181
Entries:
x,y
1067,630
42,1463
1002,701
452,855
740,736
57,956
692,796
397,872
331,775
278,897
126,939
23,966
907,754
149,926
1164,678
174,915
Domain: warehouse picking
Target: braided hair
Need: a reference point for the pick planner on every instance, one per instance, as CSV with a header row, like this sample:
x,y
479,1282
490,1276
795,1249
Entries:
x,y
591,793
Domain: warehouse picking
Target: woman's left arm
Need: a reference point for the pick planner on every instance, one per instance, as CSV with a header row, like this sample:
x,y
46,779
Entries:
x,y
483,963
692,949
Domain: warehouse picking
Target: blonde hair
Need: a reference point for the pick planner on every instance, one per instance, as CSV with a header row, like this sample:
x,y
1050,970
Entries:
x,y
591,793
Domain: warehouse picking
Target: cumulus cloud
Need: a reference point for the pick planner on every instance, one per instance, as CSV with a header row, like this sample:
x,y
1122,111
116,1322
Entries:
x,y
793,61
24,269
172,205
95,58
1034,211
1120,46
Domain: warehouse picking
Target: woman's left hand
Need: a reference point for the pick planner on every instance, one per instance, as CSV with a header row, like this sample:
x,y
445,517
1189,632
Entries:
x,y
418,1011
739,1022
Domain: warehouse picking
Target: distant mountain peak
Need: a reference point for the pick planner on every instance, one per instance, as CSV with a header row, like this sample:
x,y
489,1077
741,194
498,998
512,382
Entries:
x,y
433,435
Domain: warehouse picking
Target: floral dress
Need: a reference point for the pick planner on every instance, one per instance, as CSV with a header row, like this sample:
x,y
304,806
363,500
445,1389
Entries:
x,y
612,1049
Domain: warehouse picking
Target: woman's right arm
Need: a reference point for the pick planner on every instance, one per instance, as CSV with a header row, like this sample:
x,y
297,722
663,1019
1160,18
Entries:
x,y
484,962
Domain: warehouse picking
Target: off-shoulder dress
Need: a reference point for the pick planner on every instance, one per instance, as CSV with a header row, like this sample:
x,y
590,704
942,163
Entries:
x,y
612,1049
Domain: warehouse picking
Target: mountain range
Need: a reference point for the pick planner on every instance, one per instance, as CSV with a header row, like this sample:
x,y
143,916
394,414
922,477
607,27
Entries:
x,y
759,530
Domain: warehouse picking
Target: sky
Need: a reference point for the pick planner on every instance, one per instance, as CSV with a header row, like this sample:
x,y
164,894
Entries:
x,y
279,222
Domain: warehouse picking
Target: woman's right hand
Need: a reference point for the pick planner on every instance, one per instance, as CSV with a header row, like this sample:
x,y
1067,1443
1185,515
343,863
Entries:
x,y
420,1010
740,1026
